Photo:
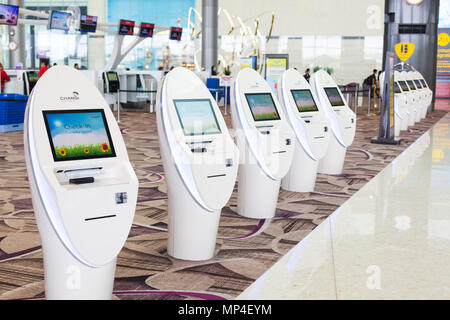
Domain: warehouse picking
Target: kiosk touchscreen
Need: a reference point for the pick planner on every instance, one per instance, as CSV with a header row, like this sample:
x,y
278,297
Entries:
x,y
410,95
265,141
342,122
83,187
200,163
311,128
29,79
111,81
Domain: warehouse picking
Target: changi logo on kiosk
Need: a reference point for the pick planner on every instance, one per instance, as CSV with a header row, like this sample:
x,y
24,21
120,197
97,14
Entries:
x,y
404,50
74,97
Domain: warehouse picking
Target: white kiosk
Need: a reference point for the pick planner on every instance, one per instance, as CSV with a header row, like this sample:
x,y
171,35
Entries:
x,y
83,187
429,99
418,95
200,163
401,112
410,96
342,120
311,128
266,143
425,92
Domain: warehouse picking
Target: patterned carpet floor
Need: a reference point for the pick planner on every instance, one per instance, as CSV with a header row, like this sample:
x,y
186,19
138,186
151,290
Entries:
x,y
245,248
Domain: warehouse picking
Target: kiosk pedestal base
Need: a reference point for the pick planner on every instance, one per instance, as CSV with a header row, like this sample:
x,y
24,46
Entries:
x,y
302,174
333,161
65,277
412,118
192,231
404,123
257,193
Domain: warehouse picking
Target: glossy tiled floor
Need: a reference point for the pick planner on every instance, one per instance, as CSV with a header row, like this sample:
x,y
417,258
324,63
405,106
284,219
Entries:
x,y
391,240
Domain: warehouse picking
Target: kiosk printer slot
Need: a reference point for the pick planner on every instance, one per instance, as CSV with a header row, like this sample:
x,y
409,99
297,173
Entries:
x,y
342,122
200,163
83,187
311,128
265,141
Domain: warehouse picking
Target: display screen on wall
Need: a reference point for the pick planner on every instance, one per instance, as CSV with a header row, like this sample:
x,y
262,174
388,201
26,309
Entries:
x,y
9,14
59,20
262,106
196,116
304,100
146,29
403,86
126,27
175,33
334,97
78,134
88,23
275,66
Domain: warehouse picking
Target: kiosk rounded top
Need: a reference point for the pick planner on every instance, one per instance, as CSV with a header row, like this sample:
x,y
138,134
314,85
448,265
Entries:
x,y
203,153
304,113
342,119
259,118
70,131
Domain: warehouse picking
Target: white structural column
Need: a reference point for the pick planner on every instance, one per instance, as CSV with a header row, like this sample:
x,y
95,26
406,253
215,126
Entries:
x,y
209,33
96,41
17,34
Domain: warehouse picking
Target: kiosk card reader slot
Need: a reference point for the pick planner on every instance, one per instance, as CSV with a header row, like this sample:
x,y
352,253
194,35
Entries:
x,y
310,126
199,158
263,136
342,122
83,221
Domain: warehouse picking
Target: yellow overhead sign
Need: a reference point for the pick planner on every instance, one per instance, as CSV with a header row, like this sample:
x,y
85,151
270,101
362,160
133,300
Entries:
x,y
443,39
404,50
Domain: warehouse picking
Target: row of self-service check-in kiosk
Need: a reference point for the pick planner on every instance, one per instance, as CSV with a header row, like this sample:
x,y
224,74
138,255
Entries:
x,y
84,188
412,101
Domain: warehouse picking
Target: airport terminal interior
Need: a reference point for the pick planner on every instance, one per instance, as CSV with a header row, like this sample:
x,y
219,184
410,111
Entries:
x,y
224,149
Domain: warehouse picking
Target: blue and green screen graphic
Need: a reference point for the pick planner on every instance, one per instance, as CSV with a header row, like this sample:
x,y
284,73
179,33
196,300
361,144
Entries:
x,y
78,135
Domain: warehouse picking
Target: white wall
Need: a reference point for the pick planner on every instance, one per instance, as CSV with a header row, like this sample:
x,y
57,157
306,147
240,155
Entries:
x,y
311,17
346,35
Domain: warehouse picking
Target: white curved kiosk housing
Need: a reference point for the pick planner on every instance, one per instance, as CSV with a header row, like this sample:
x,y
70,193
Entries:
x,y
427,95
342,121
401,112
413,106
427,88
265,141
83,186
401,101
200,163
311,128
419,95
